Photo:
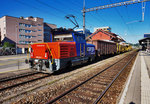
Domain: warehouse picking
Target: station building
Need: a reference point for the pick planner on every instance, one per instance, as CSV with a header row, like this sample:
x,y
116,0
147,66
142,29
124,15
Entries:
x,y
23,31
145,42
100,34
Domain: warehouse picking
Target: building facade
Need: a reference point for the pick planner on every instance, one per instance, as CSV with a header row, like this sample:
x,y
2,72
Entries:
x,y
107,28
22,31
147,35
104,35
47,31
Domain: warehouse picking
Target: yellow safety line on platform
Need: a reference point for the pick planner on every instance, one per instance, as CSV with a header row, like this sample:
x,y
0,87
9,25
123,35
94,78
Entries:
x,y
12,57
13,70
12,62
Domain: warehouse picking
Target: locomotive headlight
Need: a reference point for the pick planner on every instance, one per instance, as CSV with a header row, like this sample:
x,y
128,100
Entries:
x,y
45,54
36,60
31,54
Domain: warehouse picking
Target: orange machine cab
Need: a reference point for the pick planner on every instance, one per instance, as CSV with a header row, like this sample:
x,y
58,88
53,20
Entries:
x,y
55,50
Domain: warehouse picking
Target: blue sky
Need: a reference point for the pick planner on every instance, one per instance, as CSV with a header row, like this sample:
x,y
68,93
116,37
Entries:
x,y
121,19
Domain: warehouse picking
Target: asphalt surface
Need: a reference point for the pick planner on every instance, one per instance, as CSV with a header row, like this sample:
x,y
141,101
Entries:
x,y
137,91
14,62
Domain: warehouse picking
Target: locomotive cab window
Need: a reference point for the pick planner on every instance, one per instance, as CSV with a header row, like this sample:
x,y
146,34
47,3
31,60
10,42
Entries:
x,y
79,38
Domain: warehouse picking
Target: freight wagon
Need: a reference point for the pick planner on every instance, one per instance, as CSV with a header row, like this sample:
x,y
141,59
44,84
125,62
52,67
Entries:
x,y
103,47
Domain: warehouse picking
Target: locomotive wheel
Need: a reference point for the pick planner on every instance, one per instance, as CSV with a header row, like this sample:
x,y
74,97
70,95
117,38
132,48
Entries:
x,y
69,65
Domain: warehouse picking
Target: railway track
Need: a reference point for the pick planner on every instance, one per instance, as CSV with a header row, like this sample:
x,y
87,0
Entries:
x,y
93,89
17,76
7,83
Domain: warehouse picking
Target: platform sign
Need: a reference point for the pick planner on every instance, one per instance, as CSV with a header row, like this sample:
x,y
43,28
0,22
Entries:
x,y
147,35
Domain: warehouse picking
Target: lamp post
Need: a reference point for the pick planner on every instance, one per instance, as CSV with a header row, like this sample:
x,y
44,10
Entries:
x,y
148,44
16,38
84,18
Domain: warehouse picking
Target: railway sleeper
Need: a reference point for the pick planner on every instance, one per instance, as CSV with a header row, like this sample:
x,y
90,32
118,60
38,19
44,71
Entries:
x,y
73,100
80,96
90,94
93,89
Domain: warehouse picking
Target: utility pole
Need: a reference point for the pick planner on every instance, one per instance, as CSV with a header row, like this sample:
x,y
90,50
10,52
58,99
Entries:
x,y
148,44
16,38
143,10
108,6
84,17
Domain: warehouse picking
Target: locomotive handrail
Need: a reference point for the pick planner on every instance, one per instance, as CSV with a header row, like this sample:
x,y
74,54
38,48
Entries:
x,y
50,53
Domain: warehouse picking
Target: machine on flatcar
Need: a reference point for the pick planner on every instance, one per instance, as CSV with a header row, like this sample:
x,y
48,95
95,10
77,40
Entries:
x,y
123,47
67,48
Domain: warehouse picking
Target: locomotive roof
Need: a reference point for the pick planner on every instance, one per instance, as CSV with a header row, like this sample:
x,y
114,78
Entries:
x,y
108,41
64,31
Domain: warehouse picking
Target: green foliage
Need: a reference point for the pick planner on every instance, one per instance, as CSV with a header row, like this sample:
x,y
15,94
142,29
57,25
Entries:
x,y
7,44
137,44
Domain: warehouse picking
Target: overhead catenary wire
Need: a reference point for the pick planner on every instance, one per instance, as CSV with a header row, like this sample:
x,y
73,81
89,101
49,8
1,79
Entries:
x,y
121,16
77,5
36,8
61,11
46,4
95,17
75,10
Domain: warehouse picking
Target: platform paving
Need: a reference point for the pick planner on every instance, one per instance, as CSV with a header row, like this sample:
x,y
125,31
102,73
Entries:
x,y
137,89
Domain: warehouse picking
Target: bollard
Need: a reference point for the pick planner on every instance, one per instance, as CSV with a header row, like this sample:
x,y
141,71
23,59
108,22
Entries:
x,y
18,64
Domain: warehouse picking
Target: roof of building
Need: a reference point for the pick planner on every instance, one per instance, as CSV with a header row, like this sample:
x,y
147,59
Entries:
x,y
144,40
113,36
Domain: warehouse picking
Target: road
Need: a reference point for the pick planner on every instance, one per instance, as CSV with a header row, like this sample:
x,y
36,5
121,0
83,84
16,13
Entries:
x,y
12,62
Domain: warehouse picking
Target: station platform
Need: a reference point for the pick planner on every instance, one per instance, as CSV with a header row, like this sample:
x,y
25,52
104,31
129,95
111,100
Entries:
x,y
137,88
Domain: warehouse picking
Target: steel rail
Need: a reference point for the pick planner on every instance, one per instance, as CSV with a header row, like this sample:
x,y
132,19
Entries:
x,y
17,76
107,88
15,85
73,88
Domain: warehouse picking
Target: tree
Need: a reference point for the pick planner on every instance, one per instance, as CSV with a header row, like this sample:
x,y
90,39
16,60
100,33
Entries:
x,y
7,44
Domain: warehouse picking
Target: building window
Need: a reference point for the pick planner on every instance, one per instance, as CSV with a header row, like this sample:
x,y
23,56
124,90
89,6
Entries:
x,y
39,40
21,30
39,25
27,25
33,31
33,36
21,42
21,36
26,42
39,35
33,26
39,30
28,37
21,24
28,31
